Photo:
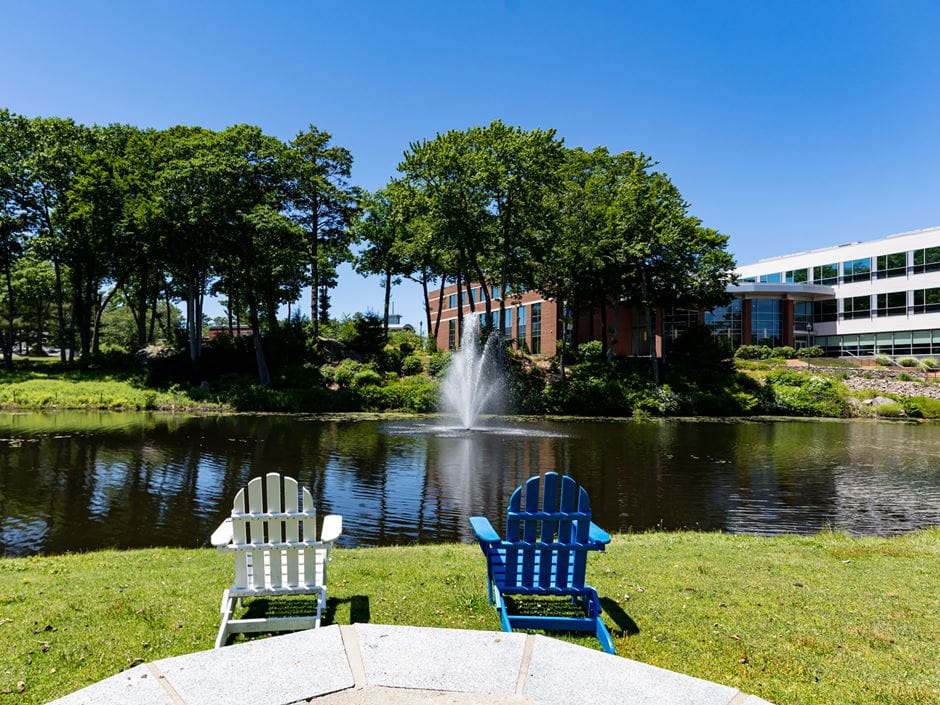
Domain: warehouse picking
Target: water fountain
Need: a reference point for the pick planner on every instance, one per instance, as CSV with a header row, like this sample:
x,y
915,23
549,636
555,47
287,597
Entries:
x,y
474,383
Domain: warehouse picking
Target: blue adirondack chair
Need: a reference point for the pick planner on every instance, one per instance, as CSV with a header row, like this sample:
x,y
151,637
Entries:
x,y
545,553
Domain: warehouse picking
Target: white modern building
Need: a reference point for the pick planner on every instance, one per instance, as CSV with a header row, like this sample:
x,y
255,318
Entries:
x,y
859,298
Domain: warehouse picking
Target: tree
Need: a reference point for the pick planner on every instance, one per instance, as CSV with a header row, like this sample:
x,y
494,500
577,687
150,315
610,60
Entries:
x,y
11,249
324,203
381,231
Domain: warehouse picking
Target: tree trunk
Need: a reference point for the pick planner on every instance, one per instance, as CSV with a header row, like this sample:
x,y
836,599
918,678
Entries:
x,y
427,302
605,344
440,306
486,294
459,309
649,327
97,325
264,376
11,315
315,271
388,296
60,307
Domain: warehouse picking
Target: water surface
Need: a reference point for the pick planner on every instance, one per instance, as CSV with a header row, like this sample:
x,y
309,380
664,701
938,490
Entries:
x,y
73,481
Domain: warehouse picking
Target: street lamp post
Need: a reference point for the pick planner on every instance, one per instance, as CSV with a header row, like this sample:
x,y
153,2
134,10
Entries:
x,y
809,343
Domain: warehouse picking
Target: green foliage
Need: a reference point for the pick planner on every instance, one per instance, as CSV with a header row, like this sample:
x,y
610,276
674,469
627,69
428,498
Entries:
x,y
810,351
437,366
591,351
930,363
412,365
753,352
785,351
908,362
803,394
883,360
919,407
905,377
364,377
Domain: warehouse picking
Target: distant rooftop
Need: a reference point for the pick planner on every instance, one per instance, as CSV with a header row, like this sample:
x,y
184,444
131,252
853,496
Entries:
x,y
846,244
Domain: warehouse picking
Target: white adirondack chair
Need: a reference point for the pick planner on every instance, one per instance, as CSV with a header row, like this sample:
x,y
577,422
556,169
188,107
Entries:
x,y
276,552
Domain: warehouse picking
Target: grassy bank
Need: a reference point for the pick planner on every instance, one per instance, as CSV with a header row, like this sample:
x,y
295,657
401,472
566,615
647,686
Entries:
x,y
817,620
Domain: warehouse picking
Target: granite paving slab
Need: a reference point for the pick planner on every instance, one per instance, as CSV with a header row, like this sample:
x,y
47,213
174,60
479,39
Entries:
x,y
273,671
441,659
377,695
136,685
560,674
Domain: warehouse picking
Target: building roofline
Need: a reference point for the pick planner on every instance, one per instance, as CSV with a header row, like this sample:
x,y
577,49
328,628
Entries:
x,y
844,244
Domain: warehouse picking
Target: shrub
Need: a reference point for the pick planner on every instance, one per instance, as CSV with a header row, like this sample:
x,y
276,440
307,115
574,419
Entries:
x,y
412,365
810,351
890,409
930,363
908,362
883,360
784,351
753,352
439,362
921,407
905,377
364,377
343,373
591,351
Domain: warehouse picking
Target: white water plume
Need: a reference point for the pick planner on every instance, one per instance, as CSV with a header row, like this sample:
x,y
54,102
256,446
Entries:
x,y
474,383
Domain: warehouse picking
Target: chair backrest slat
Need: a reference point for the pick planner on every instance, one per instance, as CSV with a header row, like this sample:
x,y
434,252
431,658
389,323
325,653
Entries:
x,y
275,527
513,534
291,530
256,531
582,535
568,490
549,504
240,536
530,530
310,534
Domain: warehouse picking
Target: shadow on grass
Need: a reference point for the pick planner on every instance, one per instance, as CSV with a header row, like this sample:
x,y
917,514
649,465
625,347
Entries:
x,y
563,607
359,610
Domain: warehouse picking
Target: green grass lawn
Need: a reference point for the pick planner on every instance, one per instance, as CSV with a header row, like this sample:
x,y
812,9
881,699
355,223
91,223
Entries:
x,y
48,386
825,619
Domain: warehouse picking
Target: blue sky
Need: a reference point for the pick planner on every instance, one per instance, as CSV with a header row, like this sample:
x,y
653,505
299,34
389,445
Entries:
x,y
786,125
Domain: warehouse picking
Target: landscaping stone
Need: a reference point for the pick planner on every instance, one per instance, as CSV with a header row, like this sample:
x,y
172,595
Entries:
x,y
561,673
273,671
137,685
440,659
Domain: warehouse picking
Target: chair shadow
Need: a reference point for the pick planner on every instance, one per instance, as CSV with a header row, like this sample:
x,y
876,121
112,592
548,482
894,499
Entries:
x,y
624,622
359,610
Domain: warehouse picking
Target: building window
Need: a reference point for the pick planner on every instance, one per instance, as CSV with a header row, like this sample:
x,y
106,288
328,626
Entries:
x,y
507,329
826,274
521,324
926,260
892,304
766,322
452,334
725,322
927,300
856,270
494,292
452,301
677,321
796,276
894,265
748,279
825,311
771,278
856,307
802,314
536,346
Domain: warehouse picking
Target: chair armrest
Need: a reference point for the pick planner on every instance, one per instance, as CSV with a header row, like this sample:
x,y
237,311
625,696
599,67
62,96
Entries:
x,y
332,527
222,536
484,531
598,535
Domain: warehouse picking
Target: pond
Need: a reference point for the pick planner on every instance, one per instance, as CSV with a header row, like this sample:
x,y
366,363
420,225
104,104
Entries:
x,y
72,481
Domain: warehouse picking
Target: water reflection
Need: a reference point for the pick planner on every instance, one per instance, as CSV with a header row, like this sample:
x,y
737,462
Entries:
x,y
78,480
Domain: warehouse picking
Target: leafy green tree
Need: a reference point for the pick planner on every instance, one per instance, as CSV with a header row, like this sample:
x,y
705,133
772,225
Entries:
x,y
324,203
381,231
11,249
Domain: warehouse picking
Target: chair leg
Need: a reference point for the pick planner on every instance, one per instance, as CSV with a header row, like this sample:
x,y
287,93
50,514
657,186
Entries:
x,y
500,604
592,604
227,609
321,605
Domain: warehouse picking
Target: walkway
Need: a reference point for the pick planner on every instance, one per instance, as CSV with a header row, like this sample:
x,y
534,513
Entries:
x,y
373,664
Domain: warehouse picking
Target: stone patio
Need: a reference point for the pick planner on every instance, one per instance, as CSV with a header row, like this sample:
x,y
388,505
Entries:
x,y
369,664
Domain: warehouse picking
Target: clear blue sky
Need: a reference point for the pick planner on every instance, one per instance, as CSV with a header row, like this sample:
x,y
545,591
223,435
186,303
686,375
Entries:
x,y
786,125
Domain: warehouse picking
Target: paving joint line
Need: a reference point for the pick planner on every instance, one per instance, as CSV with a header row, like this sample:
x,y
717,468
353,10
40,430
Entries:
x,y
165,684
524,664
353,654
739,698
